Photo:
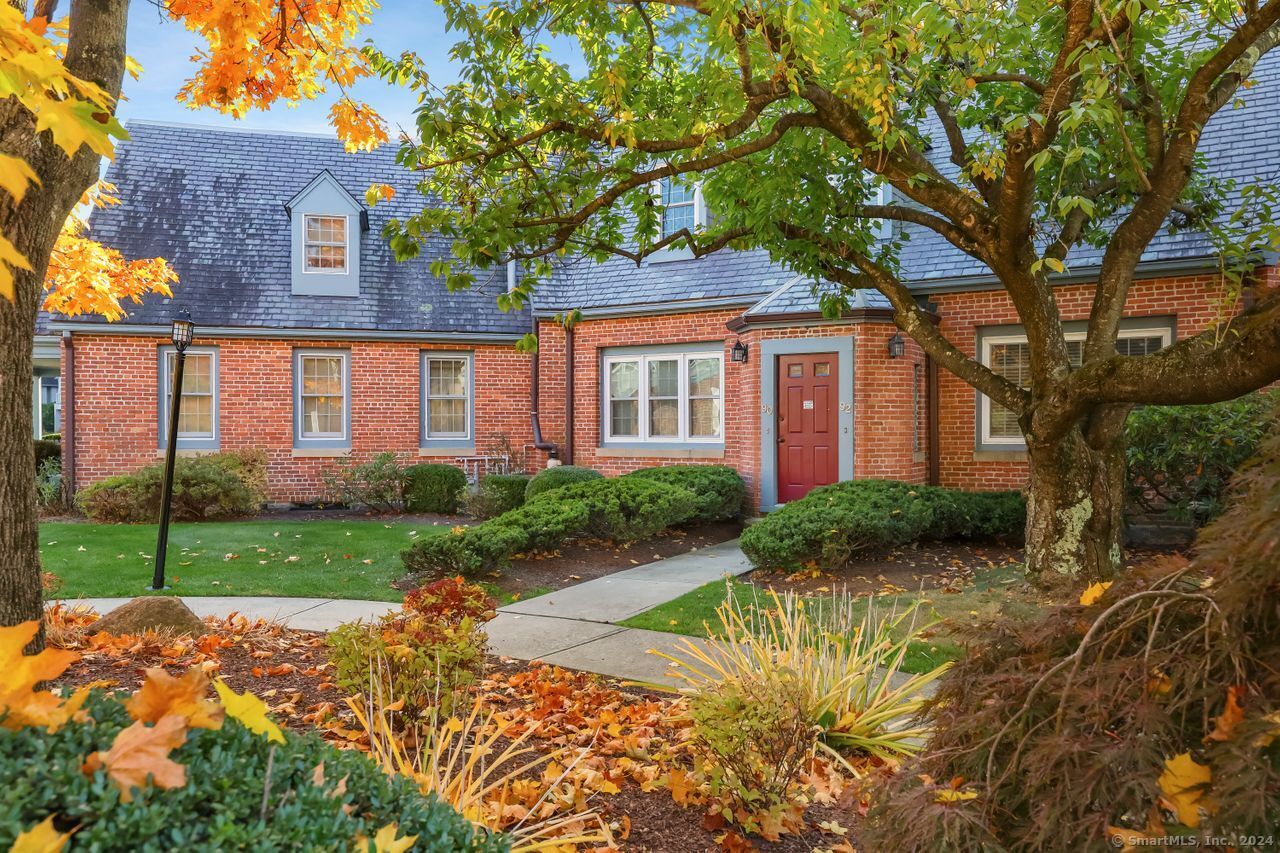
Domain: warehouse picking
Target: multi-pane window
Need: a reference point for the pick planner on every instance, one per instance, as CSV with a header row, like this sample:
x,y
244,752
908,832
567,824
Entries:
x,y
664,397
325,243
1010,356
198,415
447,393
679,207
322,396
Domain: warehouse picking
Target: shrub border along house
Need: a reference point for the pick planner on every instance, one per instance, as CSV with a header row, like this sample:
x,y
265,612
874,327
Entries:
x,y
619,509
832,523
219,485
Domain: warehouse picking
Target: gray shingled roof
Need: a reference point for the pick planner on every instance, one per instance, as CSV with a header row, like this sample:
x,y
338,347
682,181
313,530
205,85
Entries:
x,y
212,202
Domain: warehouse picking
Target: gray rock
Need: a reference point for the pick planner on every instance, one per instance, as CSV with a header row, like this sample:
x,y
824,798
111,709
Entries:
x,y
151,613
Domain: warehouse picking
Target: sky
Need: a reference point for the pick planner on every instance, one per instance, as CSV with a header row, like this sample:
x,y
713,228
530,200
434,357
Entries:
x,y
164,48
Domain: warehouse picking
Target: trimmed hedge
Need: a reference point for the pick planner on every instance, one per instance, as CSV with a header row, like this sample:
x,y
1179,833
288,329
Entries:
x,y
221,485
832,523
497,494
719,490
433,488
221,806
619,509
561,475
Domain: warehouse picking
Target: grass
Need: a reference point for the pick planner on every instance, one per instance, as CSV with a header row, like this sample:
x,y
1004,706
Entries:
x,y
1000,591
309,559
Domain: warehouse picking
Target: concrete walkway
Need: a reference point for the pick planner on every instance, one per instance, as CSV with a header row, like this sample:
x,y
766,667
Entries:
x,y
571,627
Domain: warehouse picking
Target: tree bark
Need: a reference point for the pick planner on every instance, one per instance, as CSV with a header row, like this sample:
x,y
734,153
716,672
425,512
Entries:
x,y
1075,506
95,52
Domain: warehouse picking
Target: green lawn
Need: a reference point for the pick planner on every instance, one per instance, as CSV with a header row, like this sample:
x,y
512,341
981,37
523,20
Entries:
x,y
321,559
1000,591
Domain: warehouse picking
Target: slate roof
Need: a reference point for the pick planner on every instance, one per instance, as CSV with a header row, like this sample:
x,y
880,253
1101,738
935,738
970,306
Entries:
x,y
212,201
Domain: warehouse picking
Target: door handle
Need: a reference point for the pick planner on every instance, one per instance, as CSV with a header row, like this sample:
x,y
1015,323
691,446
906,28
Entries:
x,y
781,440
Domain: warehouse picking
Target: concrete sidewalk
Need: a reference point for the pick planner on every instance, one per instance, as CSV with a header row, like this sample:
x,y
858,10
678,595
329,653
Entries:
x,y
571,627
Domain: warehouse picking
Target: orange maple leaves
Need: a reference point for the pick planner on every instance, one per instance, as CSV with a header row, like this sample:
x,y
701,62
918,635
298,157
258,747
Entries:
x,y
21,704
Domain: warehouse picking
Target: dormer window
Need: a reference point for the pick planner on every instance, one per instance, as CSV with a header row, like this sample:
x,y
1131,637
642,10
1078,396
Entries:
x,y
326,244
326,223
679,207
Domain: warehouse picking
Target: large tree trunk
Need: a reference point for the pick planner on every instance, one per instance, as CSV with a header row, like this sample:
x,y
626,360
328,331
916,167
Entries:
x,y
1075,507
95,51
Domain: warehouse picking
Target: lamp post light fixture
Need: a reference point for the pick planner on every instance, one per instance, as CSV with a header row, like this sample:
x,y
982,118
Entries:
x,y
897,346
738,355
182,333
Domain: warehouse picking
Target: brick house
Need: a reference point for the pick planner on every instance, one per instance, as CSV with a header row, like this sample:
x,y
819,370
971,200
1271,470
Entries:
x,y
315,345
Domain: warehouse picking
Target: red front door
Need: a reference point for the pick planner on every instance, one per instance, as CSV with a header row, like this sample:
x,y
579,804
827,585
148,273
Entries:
x,y
808,423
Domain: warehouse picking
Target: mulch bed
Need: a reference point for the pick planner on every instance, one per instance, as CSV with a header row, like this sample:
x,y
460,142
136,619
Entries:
x,y
584,561
289,671
932,565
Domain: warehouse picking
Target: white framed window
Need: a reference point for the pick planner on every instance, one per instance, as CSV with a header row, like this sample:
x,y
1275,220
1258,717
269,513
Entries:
x,y
682,206
662,397
322,399
324,243
446,393
198,415
1010,357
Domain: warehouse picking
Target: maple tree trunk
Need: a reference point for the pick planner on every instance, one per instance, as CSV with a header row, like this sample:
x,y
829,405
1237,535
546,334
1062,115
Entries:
x,y
95,52
1075,507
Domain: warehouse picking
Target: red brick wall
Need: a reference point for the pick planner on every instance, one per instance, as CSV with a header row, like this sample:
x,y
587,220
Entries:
x,y
1196,301
116,405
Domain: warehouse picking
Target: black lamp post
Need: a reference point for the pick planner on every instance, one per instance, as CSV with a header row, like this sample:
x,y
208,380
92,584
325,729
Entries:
x,y
183,331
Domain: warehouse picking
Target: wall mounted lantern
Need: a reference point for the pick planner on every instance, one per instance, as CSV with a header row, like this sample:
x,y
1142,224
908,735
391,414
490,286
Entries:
x,y
738,354
897,346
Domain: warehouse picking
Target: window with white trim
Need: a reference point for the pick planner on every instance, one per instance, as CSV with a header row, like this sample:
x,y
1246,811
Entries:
x,y
322,405
446,381
664,397
324,241
681,206
198,417
1010,357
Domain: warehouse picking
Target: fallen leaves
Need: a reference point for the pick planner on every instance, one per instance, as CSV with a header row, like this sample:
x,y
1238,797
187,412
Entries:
x,y
249,710
141,752
41,838
1093,593
1183,786
163,695
20,703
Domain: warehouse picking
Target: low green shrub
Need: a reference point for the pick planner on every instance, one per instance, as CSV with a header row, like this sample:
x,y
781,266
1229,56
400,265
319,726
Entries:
x,y
424,655
718,488
832,523
221,485
434,488
561,475
621,509
49,484
377,484
496,494
47,448
227,801
1180,458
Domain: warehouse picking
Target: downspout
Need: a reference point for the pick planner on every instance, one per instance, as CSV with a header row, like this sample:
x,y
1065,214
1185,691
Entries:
x,y
69,420
932,449
538,442
568,387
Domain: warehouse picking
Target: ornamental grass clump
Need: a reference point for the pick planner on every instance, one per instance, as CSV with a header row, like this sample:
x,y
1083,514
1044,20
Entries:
x,y
847,667
425,655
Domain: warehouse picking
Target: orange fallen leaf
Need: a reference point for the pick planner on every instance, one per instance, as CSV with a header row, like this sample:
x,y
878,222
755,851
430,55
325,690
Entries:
x,y
1224,725
141,752
162,694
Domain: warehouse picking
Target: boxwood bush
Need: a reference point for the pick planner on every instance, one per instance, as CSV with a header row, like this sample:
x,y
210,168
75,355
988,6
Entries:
x,y
497,493
621,509
221,806
832,523
221,485
433,488
561,475
718,489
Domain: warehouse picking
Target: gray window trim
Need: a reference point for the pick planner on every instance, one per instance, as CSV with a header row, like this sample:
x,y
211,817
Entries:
x,y
843,347
703,348
163,382
328,442
468,441
1129,327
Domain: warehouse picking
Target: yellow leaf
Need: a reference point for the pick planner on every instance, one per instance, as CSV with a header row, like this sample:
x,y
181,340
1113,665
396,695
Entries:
x,y
1183,784
1095,591
162,694
951,795
386,842
16,176
20,703
249,710
41,838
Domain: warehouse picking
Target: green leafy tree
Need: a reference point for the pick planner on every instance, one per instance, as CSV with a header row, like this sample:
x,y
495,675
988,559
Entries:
x,y
1066,123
